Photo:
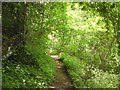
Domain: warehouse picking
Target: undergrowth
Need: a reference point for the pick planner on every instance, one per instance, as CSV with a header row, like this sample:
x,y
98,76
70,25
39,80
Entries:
x,y
20,70
84,77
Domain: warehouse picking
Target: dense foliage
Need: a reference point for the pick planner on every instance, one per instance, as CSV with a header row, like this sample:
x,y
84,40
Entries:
x,y
91,45
29,62
85,35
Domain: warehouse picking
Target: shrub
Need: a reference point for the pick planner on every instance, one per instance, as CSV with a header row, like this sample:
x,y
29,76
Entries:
x,y
28,75
86,76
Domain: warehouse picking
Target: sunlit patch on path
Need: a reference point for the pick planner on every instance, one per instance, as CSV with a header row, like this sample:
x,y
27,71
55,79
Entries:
x,y
61,78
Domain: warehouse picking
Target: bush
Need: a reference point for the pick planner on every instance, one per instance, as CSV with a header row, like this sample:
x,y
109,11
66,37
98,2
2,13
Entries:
x,y
86,76
23,75
75,69
102,80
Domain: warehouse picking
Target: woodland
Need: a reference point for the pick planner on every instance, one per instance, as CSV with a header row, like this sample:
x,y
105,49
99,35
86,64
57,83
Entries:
x,y
84,35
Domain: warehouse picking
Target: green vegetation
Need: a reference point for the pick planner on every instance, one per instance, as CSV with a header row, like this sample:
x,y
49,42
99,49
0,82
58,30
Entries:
x,y
28,66
24,74
85,35
84,76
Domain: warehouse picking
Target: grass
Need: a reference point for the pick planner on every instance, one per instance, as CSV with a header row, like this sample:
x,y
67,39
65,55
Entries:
x,y
84,77
23,71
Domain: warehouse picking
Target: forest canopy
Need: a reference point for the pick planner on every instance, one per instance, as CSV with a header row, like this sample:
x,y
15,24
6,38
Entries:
x,y
85,36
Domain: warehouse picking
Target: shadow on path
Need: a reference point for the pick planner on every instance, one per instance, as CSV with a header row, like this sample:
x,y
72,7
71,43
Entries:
x,y
61,78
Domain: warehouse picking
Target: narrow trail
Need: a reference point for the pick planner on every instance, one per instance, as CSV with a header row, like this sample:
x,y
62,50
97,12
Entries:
x,y
61,78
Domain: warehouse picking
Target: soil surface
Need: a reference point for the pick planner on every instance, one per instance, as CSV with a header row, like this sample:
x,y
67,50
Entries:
x,y
61,78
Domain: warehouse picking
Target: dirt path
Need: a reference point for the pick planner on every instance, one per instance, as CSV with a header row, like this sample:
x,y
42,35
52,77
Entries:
x,y
61,79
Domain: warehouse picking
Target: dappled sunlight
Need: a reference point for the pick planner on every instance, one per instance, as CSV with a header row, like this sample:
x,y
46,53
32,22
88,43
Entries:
x,y
60,45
